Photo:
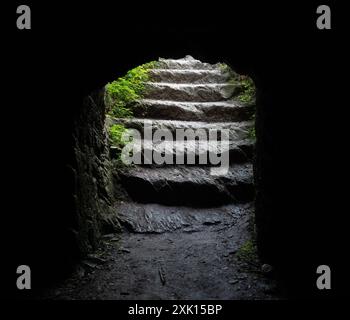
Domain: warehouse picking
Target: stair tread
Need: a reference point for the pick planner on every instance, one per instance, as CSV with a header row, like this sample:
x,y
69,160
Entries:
x,y
219,111
190,85
200,104
183,173
187,62
197,92
195,76
212,71
186,185
238,130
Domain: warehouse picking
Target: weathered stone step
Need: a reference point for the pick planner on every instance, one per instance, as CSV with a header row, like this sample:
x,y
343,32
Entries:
x,y
185,63
225,111
237,130
191,186
191,152
157,218
190,92
189,76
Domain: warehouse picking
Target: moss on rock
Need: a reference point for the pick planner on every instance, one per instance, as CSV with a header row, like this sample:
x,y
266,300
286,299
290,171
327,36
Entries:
x,y
121,93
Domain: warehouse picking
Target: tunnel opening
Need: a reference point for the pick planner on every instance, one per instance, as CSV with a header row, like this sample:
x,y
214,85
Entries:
x,y
194,205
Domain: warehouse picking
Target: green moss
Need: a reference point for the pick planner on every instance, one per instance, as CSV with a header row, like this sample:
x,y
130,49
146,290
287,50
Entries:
x,y
244,83
224,67
115,133
120,96
247,252
251,133
122,92
247,93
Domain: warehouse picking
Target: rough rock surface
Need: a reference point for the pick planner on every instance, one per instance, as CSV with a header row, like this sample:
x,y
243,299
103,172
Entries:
x,y
187,63
192,111
199,151
210,92
92,185
189,76
238,130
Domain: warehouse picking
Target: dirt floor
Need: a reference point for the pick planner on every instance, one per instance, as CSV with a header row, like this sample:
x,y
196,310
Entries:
x,y
184,253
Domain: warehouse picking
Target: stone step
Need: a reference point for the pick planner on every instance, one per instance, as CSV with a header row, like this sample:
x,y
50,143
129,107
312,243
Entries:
x,y
189,76
190,186
191,152
224,111
157,218
185,63
190,92
237,130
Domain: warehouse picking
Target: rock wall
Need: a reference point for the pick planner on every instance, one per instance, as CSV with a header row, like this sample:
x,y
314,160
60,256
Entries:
x,y
92,175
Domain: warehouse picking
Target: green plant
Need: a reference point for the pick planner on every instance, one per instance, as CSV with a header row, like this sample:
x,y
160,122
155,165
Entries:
x,y
251,132
247,252
122,92
224,67
115,135
247,94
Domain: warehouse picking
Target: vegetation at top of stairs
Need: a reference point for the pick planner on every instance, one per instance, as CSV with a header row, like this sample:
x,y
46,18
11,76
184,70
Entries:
x,y
226,69
125,90
120,94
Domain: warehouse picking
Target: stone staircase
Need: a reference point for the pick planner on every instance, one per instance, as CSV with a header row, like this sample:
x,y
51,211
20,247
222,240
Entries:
x,y
189,94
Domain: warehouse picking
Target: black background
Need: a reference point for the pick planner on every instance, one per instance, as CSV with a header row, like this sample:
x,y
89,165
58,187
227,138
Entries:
x,y
73,49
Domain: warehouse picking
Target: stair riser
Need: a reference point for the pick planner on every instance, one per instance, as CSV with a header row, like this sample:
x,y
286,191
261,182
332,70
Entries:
x,y
200,93
207,114
239,154
185,65
187,194
237,131
186,76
